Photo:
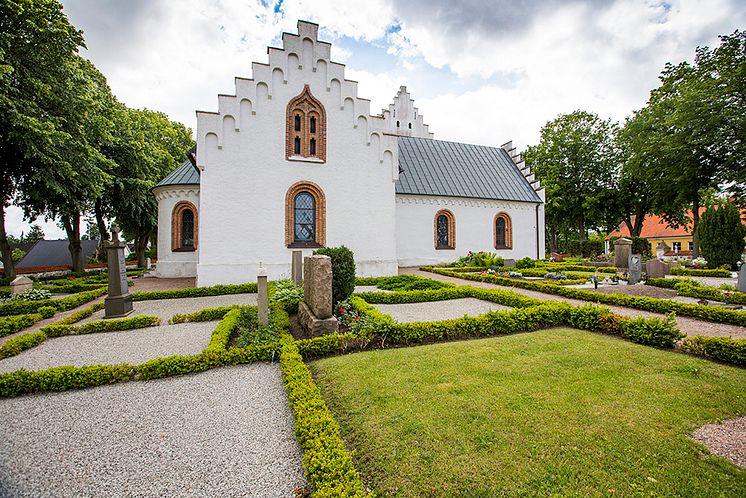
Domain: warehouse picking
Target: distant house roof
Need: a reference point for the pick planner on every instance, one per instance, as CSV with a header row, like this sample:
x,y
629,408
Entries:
x,y
55,253
186,174
436,167
655,227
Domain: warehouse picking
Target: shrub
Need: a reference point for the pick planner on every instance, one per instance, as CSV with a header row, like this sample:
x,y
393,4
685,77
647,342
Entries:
x,y
721,348
17,344
205,315
136,322
63,378
721,233
693,272
410,283
343,271
33,295
287,294
46,311
215,290
222,333
84,313
588,316
525,263
64,304
12,324
659,332
328,465
611,324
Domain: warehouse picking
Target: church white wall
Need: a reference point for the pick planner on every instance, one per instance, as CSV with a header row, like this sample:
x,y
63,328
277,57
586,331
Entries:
x,y
174,264
245,176
415,215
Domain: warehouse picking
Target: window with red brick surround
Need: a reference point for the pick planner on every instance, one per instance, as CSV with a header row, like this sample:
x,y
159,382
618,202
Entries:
x,y
184,227
444,230
305,128
305,215
503,231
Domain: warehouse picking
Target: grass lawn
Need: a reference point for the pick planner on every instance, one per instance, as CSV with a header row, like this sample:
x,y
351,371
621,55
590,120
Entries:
x,y
552,412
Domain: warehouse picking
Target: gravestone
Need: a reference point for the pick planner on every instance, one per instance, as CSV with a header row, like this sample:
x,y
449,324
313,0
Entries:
x,y
742,278
661,249
263,296
509,263
315,311
297,267
622,251
557,257
635,268
20,284
118,302
655,268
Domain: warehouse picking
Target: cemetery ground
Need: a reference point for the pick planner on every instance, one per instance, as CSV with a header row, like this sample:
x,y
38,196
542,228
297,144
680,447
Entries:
x,y
559,409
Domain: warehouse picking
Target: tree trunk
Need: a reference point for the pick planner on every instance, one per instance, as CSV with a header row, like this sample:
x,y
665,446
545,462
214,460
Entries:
x,y
10,267
72,228
141,245
553,239
695,225
630,226
100,222
581,228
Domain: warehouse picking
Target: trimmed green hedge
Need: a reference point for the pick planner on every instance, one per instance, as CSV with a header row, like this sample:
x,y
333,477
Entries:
x,y
691,272
18,344
506,298
329,468
328,344
215,290
658,332
64,304
80,315
711,313
403,283
343,271
222,333
205,315
692,288
720,348
131,323
12,324
72,288
666,283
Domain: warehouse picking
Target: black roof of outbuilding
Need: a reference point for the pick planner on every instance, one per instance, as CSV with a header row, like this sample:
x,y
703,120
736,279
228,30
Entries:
x,y
55,253
186,174
440,168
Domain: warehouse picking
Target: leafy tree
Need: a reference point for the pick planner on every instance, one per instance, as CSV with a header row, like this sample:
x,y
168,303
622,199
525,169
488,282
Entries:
x,y
146,147
36,41
721,235
34,234
18,254
91,231
577,161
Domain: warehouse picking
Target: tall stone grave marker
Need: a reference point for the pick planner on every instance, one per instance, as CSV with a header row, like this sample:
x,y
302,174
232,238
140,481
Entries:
x,y
635,268
262,296
20,284
297,267
622,250
655,268
315,311
118,303
742,278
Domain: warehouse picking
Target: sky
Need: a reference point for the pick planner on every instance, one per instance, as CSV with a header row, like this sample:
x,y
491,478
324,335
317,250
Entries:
x,y
480,71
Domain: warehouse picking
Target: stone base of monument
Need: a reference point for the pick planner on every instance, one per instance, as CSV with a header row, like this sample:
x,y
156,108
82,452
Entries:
x,y
118,306
313,326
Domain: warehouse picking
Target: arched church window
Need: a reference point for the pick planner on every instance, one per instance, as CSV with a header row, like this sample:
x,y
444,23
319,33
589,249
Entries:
x,y
409,125
184,227
397,124
445,230
306,127
305,216
503,231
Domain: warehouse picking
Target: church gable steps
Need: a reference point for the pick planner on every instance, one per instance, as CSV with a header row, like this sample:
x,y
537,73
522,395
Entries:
x,y
300,53
522,166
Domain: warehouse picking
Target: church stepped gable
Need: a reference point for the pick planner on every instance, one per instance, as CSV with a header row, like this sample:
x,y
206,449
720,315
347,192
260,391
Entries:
x,y
452,169
303,58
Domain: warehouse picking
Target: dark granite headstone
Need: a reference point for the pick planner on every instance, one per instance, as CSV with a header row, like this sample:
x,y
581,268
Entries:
x,y
118,303
655,268
742,278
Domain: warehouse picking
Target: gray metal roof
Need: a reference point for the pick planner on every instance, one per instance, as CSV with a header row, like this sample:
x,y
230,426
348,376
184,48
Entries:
x,y
436,167
55,253
186,174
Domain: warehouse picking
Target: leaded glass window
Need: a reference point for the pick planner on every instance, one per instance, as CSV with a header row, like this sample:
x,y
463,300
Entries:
x,y
304,211
500,232
297,122
442,228
312,147
187,228
296,146
313,125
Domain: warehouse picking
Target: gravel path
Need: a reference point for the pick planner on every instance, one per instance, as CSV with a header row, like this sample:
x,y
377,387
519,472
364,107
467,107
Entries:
x,y
709,281
689,326
368,288
727,439
225,432
108,348
438,310
166,308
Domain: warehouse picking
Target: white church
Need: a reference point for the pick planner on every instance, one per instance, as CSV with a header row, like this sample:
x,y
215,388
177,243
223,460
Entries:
x,y
294,160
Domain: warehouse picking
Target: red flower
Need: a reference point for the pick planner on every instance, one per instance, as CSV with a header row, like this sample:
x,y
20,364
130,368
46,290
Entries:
x,y
341,310
355,318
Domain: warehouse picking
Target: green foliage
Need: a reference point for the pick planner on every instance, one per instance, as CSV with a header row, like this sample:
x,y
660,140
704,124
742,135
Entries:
x,y
693,272
64,304
329,344
17,344
251,333
588,316
525,263
724,349
222,333
12,324
136,322
80,315
692,288
721,235
46,311
205,315
343,271
287,294
499,296
329,468
407,283
33,295
17,255
711,313
487,259
658,332
215,290
63,378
